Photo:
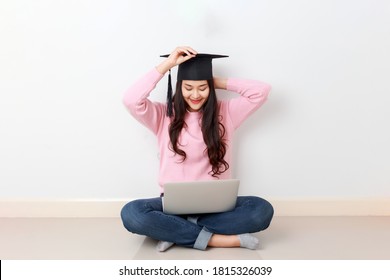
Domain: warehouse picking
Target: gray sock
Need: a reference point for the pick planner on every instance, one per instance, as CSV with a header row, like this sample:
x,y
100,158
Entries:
x,y
248,241
193,219
162,246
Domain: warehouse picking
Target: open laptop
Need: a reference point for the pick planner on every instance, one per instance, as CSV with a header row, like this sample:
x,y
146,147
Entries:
x,y
200,197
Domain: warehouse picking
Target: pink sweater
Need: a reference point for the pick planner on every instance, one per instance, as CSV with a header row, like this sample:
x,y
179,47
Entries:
x,y
252,94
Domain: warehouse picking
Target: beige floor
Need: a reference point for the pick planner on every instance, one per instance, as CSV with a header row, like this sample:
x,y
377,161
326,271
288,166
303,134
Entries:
x,y
318,238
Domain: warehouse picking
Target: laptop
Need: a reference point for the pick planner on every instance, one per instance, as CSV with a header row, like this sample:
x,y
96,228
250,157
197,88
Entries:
x,y
200,197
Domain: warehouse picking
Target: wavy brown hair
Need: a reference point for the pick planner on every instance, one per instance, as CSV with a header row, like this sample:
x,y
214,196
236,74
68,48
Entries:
x,y
212,129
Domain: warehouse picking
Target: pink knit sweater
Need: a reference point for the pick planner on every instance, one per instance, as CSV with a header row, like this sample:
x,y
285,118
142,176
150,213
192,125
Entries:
x,y
252,94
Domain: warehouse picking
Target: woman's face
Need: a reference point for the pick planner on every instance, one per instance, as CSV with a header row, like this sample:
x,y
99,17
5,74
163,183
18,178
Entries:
x,y
195,93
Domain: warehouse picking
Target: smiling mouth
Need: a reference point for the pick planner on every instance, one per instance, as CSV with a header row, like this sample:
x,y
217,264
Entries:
x,y
196,101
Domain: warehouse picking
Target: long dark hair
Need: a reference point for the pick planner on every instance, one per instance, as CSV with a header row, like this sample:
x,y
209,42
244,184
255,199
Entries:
x,y
212,129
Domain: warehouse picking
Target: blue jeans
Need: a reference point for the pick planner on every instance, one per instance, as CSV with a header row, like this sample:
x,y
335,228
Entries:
x,y
145,217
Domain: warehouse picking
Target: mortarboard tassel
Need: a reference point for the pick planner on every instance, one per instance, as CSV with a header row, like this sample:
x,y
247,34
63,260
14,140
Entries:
x,y
169,96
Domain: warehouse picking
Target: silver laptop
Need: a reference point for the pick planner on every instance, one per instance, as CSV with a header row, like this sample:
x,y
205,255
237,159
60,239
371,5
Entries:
x,y
200,197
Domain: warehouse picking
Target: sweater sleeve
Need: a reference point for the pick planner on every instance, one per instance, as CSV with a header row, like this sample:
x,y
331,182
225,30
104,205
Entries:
x,y
252,93
136,101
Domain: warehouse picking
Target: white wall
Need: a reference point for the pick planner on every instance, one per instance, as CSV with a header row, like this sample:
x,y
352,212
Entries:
x,y
64,66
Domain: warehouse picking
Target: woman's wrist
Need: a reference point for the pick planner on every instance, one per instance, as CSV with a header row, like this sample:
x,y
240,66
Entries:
x,y
164,66
220,83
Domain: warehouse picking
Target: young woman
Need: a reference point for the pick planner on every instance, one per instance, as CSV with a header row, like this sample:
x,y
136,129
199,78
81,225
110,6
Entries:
x,y
194,132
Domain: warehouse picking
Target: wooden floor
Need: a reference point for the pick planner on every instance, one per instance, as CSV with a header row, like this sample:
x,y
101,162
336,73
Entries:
x,y
288,238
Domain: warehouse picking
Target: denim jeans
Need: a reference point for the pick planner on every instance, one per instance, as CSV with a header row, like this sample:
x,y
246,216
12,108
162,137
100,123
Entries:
x,y
145,217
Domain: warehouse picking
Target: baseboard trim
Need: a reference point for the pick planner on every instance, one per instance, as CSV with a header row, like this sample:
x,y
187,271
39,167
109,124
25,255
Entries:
x,y
72,208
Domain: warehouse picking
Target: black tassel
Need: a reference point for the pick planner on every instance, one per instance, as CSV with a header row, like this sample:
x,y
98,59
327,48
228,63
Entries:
x,y
169,96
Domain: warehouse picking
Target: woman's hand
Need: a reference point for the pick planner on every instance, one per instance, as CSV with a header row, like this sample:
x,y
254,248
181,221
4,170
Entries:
x,y
181,54
178,56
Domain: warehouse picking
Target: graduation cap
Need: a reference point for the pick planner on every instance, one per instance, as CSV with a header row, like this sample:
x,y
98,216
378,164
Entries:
x,y
196,69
